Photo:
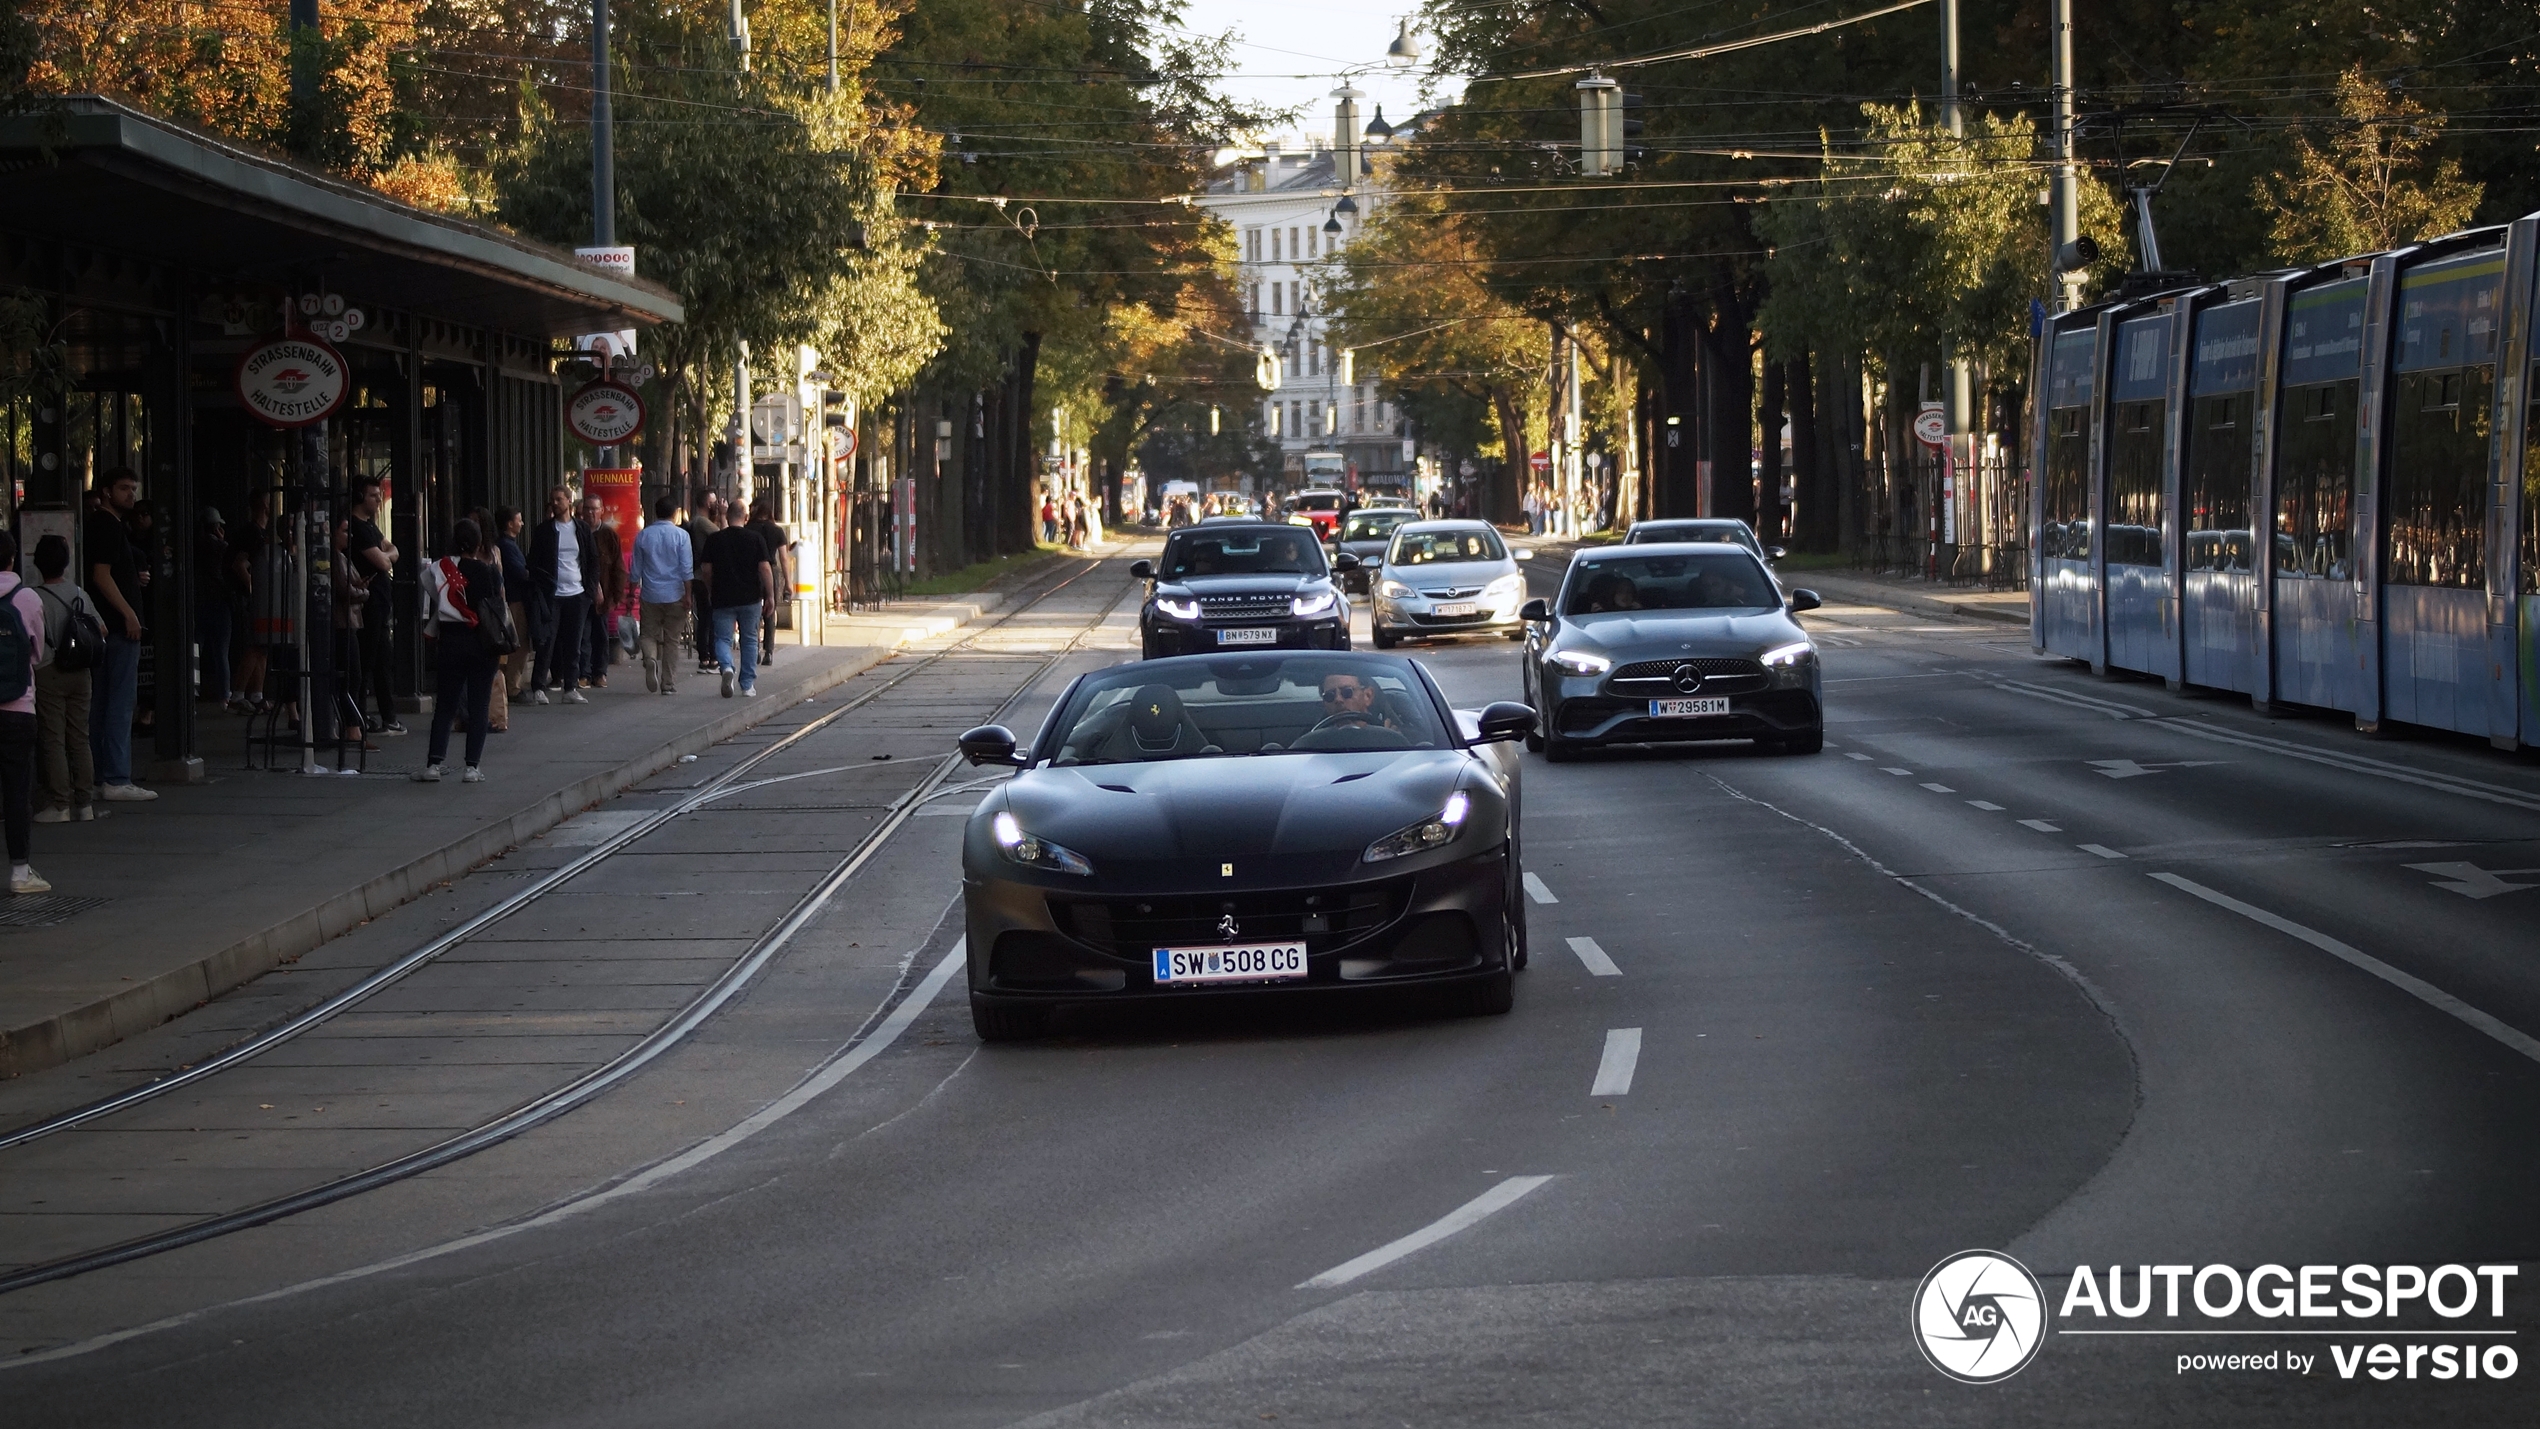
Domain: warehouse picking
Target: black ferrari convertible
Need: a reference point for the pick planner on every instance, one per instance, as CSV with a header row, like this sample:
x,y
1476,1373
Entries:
x,y
1295,821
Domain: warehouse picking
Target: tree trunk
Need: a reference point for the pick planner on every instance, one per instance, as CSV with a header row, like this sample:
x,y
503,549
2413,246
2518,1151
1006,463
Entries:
x,y
1813,526
1017,528
1675,446
1843,408
1501,496
1729,364
1768,426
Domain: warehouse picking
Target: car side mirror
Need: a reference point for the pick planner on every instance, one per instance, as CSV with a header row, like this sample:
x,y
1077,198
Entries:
x,y
1521,553
1536,611
1804,600
1142,570
991,744
1775,553
1344,562
1506,720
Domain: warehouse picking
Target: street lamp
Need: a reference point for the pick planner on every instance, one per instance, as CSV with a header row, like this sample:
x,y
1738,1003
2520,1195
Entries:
x,y
1404,52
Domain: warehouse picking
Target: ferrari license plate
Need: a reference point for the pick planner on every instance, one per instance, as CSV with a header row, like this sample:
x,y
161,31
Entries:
x,y
1457,607
1684,709
1230,962
1249,635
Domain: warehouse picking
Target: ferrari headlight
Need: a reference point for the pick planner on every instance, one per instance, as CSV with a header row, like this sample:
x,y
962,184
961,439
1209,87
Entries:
x,y
1393,590
1183,609
1432,832
1311,604
1504,587
1034,852
1580,662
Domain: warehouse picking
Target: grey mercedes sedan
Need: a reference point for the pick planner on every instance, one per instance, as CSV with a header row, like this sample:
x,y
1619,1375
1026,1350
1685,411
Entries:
x,y
1662,644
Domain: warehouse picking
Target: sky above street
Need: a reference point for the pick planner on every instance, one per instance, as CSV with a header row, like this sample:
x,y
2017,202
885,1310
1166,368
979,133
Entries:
x,y
1293,54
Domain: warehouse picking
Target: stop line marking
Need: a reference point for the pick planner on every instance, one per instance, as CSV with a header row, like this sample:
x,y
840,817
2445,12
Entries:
x,y
1595,958
1464,1217
1536,891
1614,1070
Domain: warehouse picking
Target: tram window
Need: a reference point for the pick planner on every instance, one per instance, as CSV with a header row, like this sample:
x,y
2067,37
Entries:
x,y
2435,506
2134,485
2066,533
2216,485
2315,482
2531,488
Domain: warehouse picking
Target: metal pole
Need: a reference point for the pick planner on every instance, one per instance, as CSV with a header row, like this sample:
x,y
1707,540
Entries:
x,y
1950,117
833,46
603,136
741,465
2065,197
741,36
304,76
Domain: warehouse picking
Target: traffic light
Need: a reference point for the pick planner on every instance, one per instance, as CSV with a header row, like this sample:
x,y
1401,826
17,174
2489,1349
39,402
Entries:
x,y
1631,130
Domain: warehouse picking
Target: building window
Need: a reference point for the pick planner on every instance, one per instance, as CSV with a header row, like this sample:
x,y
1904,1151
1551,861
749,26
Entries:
x,y
1274,245
1314,358
1293,249
1278,302
1252,245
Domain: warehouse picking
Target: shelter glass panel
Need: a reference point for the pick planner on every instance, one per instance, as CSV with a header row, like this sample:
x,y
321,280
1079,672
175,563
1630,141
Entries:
x,y
2315,482
2134,484
2216,489
2435,508
2066,533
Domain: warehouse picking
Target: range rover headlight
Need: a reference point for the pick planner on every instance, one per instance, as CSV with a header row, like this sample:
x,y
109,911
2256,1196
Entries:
x,y
1320,604
1435,831
1580,662
1184,608
1034,852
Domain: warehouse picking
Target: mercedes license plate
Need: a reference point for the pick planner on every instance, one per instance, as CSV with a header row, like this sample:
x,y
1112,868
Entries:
x,y
1249,635
1681,709
1456,607
1230,962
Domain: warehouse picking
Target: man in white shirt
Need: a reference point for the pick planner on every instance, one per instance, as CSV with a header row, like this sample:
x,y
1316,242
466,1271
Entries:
x,y
563,570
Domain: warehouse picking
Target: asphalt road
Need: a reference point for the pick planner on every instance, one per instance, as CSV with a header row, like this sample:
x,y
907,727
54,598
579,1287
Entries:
x,y
2080,970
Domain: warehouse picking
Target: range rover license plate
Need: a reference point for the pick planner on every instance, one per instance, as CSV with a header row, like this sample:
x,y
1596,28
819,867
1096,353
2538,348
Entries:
x,y
1230,962
1681,709
1249,635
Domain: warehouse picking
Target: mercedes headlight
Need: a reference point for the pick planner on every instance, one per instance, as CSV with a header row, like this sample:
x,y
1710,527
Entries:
x,y
1393,590
1186,608
1435,831
1320,604
1034,852
1789,665
1580,662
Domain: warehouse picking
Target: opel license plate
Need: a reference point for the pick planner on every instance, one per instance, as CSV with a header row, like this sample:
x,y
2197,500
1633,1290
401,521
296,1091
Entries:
x,y
1249,635
1230,962
1682,709
1456,607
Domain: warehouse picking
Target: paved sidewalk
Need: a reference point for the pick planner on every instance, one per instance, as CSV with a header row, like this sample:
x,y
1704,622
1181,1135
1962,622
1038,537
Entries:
x,y
159,907
1915,597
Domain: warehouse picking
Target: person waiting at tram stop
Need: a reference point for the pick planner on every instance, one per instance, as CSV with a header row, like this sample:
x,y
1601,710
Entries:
x,y
116,581
455,588
599,636
564,572
21,650
65,769
374,559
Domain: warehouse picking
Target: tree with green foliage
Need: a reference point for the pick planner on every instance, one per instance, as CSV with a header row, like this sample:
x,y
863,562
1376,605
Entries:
x,y
2373,180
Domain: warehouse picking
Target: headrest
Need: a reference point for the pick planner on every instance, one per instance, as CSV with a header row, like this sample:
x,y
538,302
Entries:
x,y
1156,715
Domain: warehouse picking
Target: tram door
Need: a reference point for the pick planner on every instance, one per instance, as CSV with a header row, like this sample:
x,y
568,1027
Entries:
x,y
2317,601
2067,596
2219,601
2141,632
2436,668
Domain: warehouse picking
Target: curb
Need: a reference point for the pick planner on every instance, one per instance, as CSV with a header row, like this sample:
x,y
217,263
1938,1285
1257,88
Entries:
x,y
78,1031
1907,602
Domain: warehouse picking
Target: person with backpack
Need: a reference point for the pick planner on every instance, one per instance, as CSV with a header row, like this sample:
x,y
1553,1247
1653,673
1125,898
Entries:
x,y
21,650
468,620
74,637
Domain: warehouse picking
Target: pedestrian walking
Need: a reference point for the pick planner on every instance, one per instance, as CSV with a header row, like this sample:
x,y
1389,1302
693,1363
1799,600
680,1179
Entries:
x,y
114,583
350,583
600,638
664,562
780,551
705,517
65,770
1049,519
564,570
375,564
742,583
21,650
461,594
515,666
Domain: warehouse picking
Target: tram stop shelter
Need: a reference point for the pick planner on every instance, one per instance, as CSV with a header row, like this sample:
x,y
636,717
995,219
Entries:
x,y
161,255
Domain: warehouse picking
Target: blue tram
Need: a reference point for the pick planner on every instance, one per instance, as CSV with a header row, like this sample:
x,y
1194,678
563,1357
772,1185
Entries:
x,y
2316,486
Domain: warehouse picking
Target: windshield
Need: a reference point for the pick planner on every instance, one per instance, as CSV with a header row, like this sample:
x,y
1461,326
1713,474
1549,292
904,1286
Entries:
x,y
1652,532
1274,550
1429,548
1206,709
1728,581
1317,501
1372,525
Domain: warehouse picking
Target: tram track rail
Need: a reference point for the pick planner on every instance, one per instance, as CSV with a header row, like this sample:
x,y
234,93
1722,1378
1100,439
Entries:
x,y
556,1101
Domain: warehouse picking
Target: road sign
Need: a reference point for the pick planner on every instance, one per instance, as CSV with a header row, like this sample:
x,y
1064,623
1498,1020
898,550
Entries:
x,y
1931,425
841,443
1540,461
292,381
604,413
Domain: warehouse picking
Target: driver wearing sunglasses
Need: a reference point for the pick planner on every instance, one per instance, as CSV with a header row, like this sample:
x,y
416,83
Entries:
x,y
1353,700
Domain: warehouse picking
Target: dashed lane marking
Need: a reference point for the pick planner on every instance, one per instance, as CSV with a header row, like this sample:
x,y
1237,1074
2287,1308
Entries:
x,y
1862,757
1536,891
1614,1069
2100,849
1464,1217
2410,984
1940,788
1595,958
1901,773
1981,804
2041,826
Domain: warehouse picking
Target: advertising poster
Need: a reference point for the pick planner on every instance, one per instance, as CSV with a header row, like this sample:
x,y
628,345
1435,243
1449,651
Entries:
x,y
620,490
